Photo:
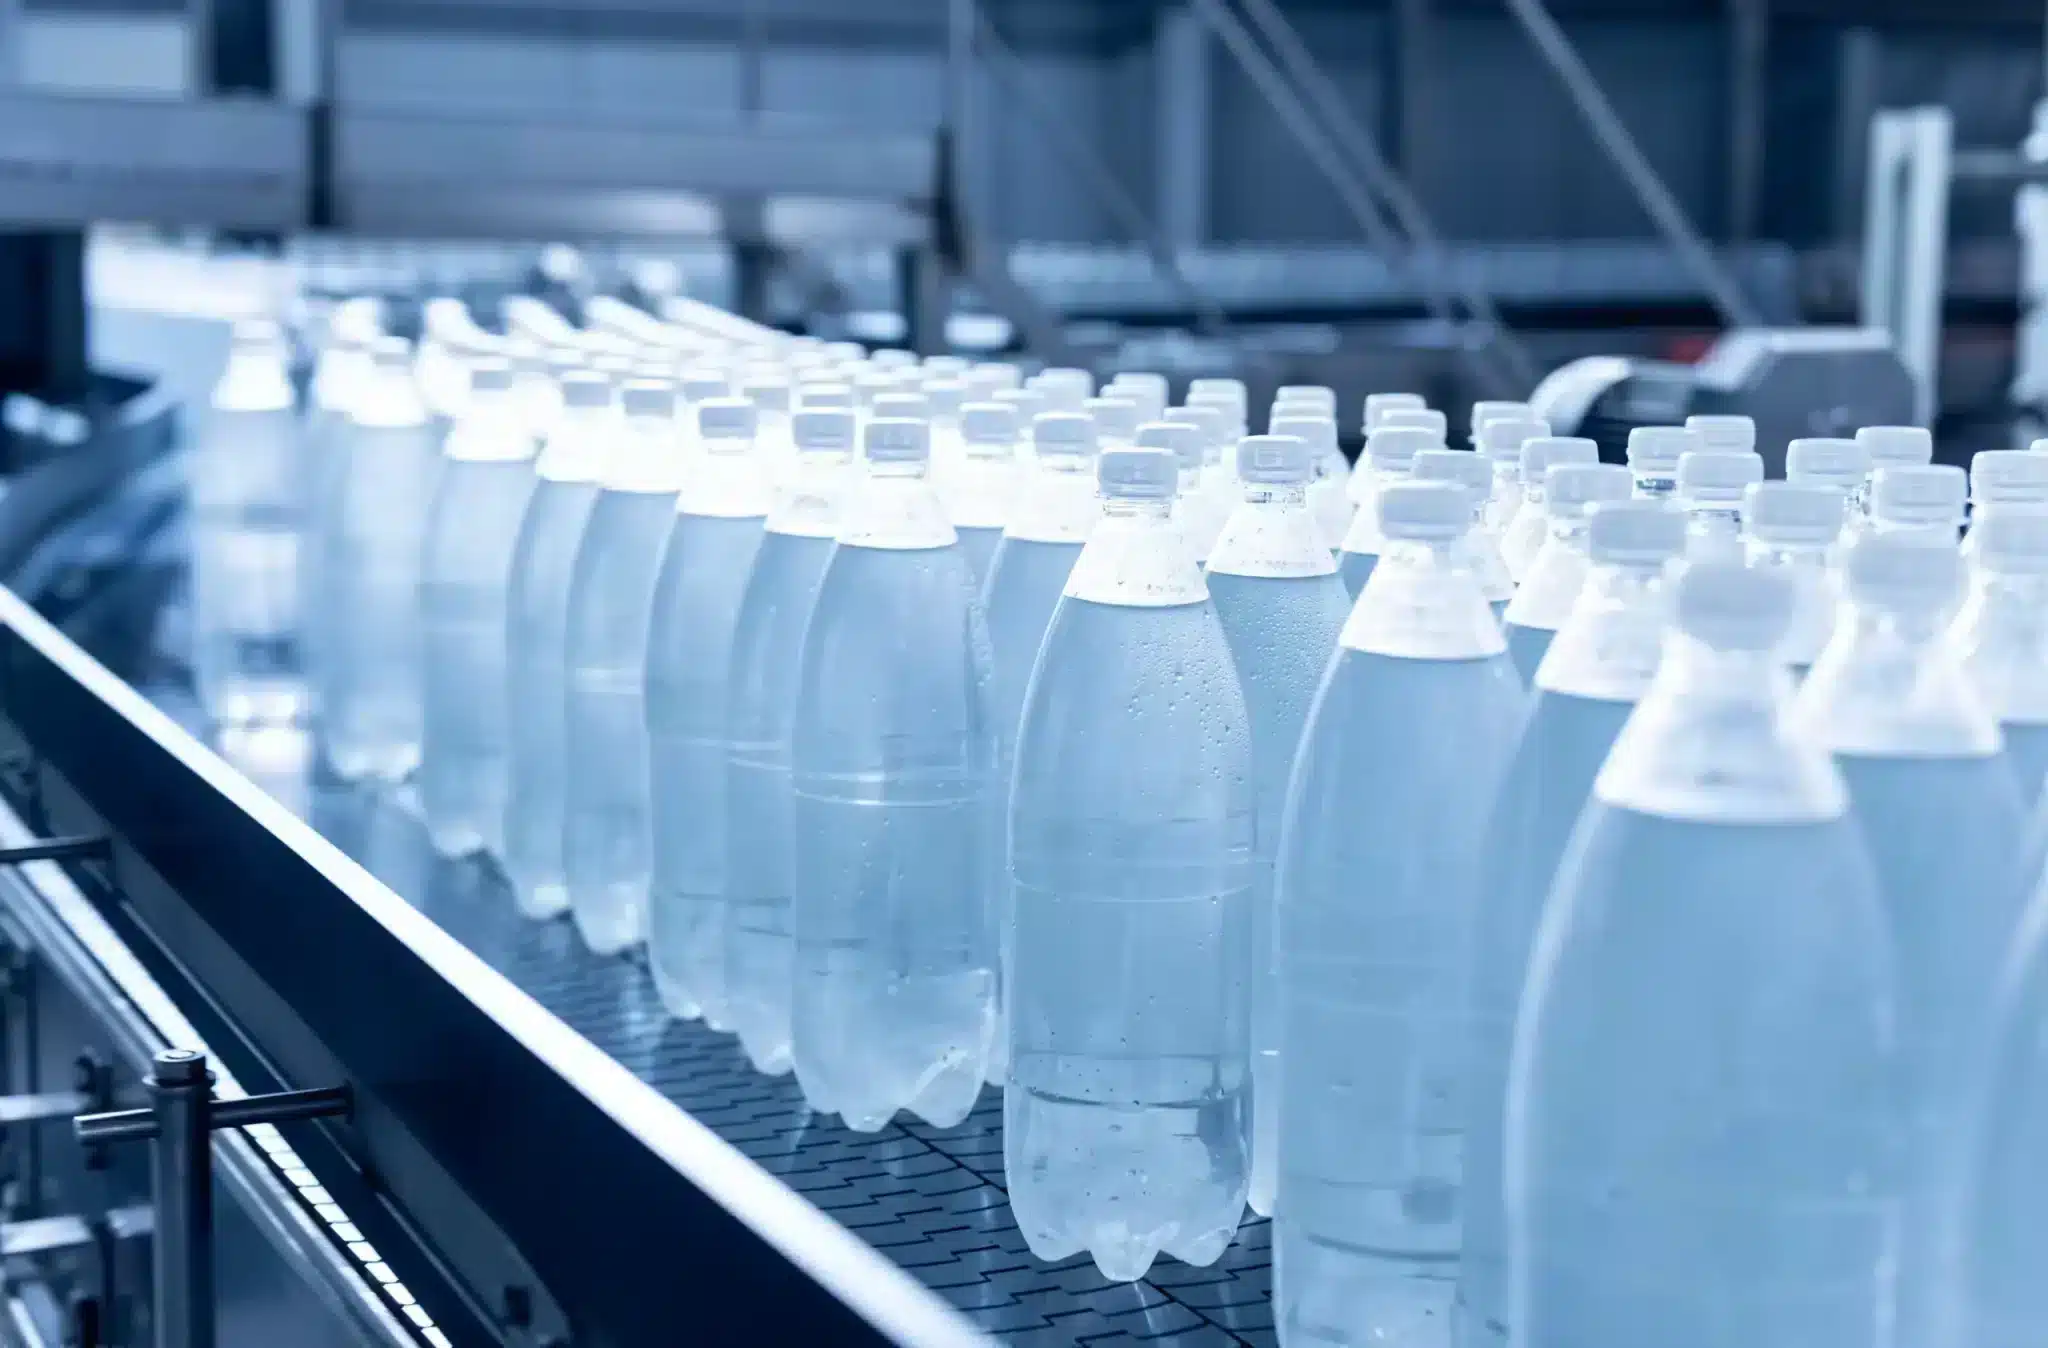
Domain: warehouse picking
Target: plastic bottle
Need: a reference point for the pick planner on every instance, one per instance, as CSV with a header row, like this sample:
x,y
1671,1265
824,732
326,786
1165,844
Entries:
x,y
1479,548
1501,441
1329,502
943,400
1281,603
1410,730
773,441
978,489
718,527
1550,590
1926,499
767,646
1597,668
1424,418
486,481
1377,405
543,560
1896,446
1653,455
893,758
1730,434
1389,459
2003,481
1494,409
1844,465
1127,1118
340,373
1941,816
1710,487
1147,390
1302,400
1793,527
1192,512
1703,1117
1064,388
375,723
1525,533
247,489
2001,634
607,839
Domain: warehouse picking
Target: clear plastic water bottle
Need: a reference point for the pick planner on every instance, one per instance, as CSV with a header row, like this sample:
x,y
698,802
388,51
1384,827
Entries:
x,y
1116,421
774,443
1597,668
1794,527
2001,634
1501,440
1147,390
1832,461
1927,500
1127,1118
565,488
1703,1107
1550,590
718,528
1329,502
340,372
1281,603
1410,731
1653,455
977,489
1389,459
1525,533
1419,418
1494,409
1193,512
247,487
2004,481
767,646
374,725
480,501
894,768
1377,405
1064,388
944,397
1710,487
1941,816
607,838
1479,547
1896,446
1301,400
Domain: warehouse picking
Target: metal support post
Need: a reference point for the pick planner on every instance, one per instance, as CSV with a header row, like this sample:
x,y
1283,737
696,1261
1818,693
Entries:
x,y
57,849
1905,240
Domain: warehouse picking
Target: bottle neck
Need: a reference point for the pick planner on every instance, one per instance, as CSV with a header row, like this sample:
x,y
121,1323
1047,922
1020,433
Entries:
x,y
1769,552
1656,484
1137,508
1276,495
1570,530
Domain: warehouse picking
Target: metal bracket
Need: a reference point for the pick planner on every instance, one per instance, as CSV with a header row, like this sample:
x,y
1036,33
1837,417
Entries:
x,y
1905,240
80,848
179,1124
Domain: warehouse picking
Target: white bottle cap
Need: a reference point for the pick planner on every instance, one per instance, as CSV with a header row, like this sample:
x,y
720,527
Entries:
x,y
897,440
824,395
1792,512
1063,433
1657,449
1277,460
647,398
697,385
1210,420
1503,437
1397,446
1462,466
822,428
1148,382
901,406
1228,390
1540,452
1571,487
2008,477
892,358
1066,377
1115,418
997,374
1424,511
1027,402
1895,573
1428,418
1317,430
1718,474
944,396
767,395
725,418
1319,396
1900,445
988,423
1377,405
1634,533
1724,432
1138,474
2011,541
585,389
1732,607
946,367
1180,439
1497,409
1919,494
1828,461
487,374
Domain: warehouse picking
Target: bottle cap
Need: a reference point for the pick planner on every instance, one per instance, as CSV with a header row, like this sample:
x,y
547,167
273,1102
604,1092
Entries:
x,y
1724,432
1462,466
1427,418
1792,512
1137,474
1230,391
944,396
1317,430
725,419
1319,396
1027,402
996,374
1888,445
2013,541
896,440
1115,418
824,395
1732,607
1207,418
585,389
1063,433
1827,460
1377,405
988,423
698,385
945,367
1718,474
892,358
1635,533
1497,409
1502,438
647,398
822,428
1180,439
767,395
1423,511
1919,494
1895,572
490,374
901,407
2008,477
1397,446
1066,377
1277,460
1571,487
1145,382
1541,452
1655,450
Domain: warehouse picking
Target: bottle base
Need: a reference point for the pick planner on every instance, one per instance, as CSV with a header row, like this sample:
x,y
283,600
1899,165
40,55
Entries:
x,y
455,840
540,900
612,924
